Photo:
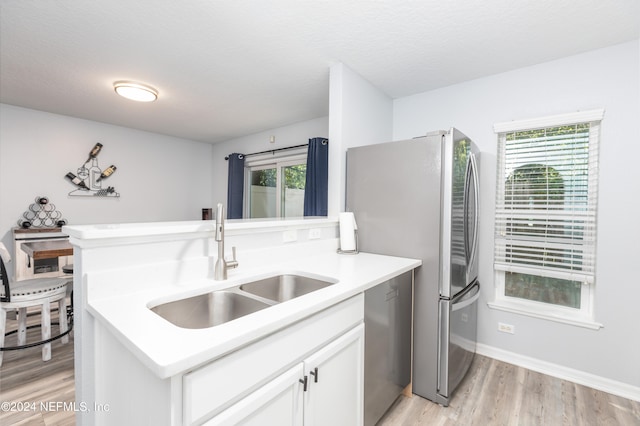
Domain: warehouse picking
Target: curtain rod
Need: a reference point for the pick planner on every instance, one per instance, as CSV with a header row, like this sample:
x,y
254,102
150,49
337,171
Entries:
x,y
273,150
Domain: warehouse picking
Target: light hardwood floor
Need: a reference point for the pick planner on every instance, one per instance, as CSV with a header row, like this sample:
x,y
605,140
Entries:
x,y
497,393
37,391
493,393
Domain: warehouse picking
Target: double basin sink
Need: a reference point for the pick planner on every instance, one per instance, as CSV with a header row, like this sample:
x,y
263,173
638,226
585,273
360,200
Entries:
x,y
221,306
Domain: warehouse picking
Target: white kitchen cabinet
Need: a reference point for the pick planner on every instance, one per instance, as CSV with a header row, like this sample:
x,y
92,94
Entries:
x,y
335,378
279,402
331,341
324,389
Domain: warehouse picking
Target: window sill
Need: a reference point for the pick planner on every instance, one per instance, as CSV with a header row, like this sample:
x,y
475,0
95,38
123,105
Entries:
x,y
549,314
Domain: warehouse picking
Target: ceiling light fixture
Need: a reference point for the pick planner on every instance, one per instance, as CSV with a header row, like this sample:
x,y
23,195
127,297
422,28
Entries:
x,y
135,91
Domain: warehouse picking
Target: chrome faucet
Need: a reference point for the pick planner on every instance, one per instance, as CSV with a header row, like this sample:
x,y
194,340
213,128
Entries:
x,y
220,271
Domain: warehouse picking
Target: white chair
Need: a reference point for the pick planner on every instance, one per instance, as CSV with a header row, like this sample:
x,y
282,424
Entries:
x,y
24,294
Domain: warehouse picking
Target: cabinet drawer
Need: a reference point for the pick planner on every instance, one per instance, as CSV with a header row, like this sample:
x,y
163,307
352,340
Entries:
x,y
212,388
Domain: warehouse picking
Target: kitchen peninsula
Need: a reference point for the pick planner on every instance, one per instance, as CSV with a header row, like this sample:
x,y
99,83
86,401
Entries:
x,y
286,361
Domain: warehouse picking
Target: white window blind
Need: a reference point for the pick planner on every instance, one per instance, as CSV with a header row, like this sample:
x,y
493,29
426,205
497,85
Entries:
x,y
547,197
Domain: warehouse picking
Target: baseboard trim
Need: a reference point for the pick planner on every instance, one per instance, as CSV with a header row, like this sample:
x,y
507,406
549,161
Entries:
x,y
614,387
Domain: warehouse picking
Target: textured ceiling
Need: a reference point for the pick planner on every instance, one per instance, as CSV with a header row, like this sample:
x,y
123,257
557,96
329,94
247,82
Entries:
x,y
229,68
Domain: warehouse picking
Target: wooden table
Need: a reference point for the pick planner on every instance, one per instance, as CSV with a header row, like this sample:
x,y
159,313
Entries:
x,y
48,249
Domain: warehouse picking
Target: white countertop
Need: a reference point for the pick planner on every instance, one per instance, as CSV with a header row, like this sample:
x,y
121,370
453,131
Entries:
x,y
168,350
232,226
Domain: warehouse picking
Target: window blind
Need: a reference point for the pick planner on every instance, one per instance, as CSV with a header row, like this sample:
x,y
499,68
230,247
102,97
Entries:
x,y
546,200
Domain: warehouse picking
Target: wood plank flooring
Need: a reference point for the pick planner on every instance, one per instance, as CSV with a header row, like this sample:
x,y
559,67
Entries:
x,y
497,393
37,391
493,393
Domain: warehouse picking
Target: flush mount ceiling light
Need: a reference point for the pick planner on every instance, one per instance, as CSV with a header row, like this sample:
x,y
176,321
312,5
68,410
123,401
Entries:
x,y
135,91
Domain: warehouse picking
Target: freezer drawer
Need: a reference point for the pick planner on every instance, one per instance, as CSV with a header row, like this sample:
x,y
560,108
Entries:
x,y
387,344
457,343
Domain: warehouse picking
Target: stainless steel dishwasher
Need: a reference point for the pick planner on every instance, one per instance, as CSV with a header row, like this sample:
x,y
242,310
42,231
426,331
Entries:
x,y
387,344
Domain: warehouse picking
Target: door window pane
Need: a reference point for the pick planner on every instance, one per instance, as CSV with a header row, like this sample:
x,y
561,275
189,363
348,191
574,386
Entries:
x,y
262,198
294,178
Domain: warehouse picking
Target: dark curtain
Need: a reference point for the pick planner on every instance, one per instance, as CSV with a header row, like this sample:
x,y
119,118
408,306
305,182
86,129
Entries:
x,y
315,189
235,187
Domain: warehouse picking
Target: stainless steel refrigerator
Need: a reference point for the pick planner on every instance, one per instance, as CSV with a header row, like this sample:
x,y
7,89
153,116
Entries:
x,y
419,198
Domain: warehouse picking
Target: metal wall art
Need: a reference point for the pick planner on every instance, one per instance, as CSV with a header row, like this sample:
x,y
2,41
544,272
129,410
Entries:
x,y
89,178
41,214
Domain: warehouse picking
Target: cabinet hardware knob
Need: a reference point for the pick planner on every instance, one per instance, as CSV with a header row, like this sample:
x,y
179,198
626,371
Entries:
x,y
314,373
304,383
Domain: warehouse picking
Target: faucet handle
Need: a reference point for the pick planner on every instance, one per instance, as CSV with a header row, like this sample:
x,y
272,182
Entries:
x,y
233,263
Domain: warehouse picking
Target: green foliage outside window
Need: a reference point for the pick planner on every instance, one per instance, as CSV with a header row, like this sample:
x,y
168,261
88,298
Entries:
x,y
266,177
294,176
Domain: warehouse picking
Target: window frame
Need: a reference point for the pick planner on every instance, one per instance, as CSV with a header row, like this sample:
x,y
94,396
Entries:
x,y
584,316
276,161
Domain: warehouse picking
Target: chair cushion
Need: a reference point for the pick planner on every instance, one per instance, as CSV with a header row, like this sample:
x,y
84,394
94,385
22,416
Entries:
x,y
37,287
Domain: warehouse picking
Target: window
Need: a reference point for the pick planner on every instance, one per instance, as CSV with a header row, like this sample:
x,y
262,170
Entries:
x,y
545,226
275,186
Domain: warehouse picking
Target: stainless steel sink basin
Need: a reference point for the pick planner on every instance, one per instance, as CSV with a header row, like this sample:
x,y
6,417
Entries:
x,y
281,288
209,309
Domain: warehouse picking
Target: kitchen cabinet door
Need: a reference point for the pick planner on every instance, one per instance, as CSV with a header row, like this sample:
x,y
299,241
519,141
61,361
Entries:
x,y
279,402
335,386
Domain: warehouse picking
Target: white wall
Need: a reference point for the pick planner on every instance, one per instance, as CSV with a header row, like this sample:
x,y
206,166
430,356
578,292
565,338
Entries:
x,y
159,178
608,78
295,134
359,114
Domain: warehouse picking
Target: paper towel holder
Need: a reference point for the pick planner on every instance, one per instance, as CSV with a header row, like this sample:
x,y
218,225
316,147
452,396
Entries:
x,y
355,251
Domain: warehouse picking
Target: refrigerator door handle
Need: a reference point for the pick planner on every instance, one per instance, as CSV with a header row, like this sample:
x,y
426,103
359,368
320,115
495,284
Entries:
x,y
476,216
471,184
463,301
465,210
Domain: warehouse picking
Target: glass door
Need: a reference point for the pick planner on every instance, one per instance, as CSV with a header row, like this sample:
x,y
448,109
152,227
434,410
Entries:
x,y
276,188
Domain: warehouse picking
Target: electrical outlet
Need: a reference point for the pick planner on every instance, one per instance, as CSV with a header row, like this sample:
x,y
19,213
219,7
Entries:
x,y
289,235
315,233
506,328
